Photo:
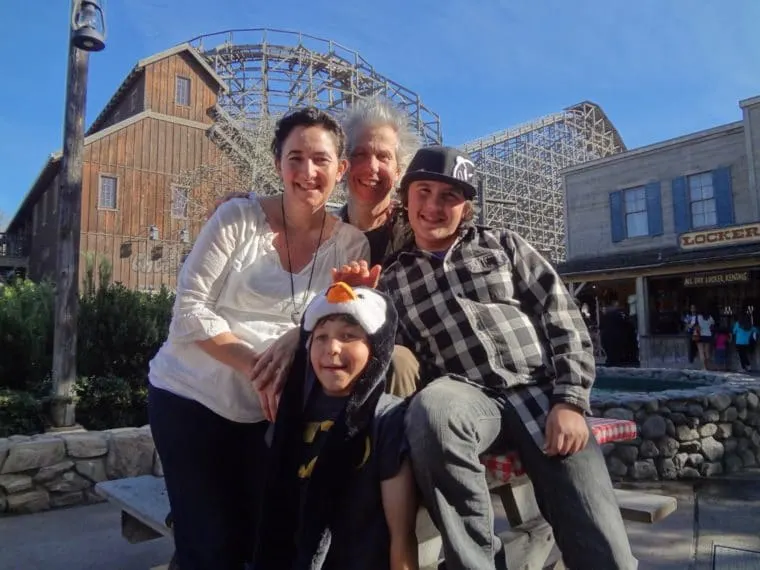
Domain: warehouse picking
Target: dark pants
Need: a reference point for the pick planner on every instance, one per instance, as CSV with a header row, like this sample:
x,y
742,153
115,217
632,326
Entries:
x,y
743,350
214,470
450,424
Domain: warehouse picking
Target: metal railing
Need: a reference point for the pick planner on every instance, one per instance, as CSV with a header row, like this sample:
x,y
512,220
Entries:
x,y
12,245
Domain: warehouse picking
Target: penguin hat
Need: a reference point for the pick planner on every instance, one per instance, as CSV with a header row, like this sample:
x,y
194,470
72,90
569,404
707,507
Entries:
x,y
344,358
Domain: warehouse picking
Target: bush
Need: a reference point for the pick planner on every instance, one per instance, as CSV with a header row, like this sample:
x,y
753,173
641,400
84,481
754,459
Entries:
x,y
20,413
102,403
120,331
26,335
111,402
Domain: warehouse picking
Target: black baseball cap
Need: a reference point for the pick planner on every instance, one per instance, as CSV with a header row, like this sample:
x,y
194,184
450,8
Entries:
x,y
444,164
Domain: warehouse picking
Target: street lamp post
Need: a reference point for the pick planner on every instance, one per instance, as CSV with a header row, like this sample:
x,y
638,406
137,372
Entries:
x,y
87,33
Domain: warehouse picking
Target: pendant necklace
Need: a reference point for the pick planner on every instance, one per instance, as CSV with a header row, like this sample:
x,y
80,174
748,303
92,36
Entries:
x,y
295,316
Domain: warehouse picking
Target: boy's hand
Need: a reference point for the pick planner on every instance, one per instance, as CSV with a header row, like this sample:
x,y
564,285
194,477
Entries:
x,y
357,274
566,430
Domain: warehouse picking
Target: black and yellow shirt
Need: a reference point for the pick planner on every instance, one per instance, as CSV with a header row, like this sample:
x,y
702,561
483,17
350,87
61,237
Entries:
x,y
357,533
321,413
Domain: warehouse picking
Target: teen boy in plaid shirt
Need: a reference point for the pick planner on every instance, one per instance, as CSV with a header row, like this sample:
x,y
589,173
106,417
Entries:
x,y
509,362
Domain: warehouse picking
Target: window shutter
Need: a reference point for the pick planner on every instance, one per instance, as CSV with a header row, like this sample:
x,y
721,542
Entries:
x,y
724,199
617,216
654,209
681,215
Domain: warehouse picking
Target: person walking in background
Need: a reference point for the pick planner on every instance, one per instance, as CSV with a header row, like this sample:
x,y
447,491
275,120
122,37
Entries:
x,y
745,337
703,334
690,324
612,331
722,340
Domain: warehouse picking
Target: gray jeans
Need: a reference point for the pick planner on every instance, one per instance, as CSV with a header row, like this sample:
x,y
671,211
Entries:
x,y
449,424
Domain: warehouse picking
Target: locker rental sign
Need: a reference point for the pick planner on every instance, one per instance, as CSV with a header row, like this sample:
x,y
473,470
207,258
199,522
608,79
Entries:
x,y
733,235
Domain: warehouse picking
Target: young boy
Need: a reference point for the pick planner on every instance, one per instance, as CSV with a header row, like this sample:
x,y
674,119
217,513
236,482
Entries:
x,y
340,491
505,360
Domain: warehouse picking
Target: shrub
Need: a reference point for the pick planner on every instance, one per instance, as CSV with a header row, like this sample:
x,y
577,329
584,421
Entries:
x,y
20,413
26,334
120,331
111,402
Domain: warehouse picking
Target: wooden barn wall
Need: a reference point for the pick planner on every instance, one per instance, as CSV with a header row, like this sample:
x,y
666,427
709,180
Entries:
x,y
130,103
160,81
44,233
146,158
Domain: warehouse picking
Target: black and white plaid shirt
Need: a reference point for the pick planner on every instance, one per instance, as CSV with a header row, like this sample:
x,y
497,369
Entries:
x,y
493,312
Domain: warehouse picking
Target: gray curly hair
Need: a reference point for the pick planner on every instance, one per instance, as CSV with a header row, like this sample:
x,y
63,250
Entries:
x,y
377,110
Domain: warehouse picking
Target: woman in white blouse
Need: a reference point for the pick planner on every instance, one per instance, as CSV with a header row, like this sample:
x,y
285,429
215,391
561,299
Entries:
x,y
254,268
705,328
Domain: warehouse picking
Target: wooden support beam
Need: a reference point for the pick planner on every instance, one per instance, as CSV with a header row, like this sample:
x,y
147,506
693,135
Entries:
x,y
134,530
519,501
530,546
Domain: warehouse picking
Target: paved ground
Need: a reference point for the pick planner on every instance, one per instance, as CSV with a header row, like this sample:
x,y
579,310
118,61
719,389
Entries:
x,y
667,545
728,515
79,538
715,514
711,515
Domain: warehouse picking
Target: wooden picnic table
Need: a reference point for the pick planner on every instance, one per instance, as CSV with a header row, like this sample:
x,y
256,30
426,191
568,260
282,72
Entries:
x,y
529,542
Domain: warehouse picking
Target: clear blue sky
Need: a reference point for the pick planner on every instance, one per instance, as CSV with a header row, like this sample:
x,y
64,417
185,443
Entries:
x,y
659,68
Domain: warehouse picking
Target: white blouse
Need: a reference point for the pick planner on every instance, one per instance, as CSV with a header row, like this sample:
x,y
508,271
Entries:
x,y
705,325
233,281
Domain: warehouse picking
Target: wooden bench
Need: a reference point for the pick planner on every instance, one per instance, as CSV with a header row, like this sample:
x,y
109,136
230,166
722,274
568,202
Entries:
x,y
529,541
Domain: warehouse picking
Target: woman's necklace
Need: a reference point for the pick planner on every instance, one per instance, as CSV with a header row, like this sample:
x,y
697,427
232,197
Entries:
x,y
295,316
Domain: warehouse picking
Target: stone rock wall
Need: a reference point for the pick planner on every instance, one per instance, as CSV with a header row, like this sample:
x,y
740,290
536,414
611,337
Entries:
x,y
58,470
689,433
683,434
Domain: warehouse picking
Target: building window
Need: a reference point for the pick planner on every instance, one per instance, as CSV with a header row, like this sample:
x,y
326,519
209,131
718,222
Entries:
x,y
180,196
636,220
107,194
702,200
182,94
636,212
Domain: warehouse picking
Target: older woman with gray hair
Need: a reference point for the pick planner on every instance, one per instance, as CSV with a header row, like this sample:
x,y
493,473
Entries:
x,y
380,142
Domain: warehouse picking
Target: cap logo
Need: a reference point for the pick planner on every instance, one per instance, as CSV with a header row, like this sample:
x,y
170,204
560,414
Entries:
x,y
463,169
